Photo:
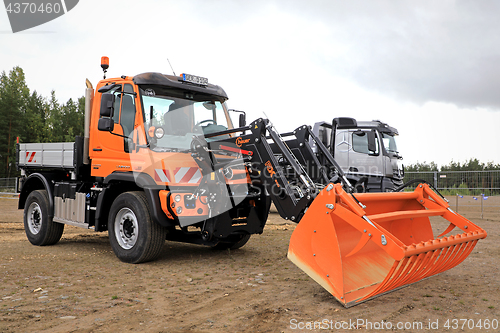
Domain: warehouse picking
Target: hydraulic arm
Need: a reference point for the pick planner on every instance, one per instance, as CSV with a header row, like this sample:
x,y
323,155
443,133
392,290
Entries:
x,y
282,167
355,250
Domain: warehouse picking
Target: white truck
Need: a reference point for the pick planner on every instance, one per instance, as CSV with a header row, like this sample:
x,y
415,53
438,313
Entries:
x,y
365,150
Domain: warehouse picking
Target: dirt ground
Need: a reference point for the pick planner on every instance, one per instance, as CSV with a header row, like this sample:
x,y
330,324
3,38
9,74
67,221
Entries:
x,y
78,285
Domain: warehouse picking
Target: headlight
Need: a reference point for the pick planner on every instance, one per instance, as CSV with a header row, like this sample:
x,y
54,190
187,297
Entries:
x,y
179,210
177,198
159,132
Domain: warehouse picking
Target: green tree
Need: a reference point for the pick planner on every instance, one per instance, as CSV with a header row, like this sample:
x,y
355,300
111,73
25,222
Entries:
x,y
55,123
73,120
473,165
491,166
421,167
33,118
14,95
452,166
35,123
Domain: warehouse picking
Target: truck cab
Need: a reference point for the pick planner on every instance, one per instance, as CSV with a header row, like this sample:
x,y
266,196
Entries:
x,y
151,112
144,171
366,151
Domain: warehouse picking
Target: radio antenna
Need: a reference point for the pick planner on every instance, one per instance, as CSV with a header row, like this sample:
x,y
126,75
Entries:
x,y
171,67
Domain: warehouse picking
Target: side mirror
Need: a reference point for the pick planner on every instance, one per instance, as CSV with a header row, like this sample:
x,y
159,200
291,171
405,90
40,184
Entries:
x,y
372,144
243,120
323,135
107,105
106,124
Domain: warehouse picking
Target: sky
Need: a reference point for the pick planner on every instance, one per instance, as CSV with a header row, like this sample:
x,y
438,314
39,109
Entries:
x,y
431,69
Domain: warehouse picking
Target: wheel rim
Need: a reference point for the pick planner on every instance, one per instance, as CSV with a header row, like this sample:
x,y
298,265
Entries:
x,y
34,218
126,228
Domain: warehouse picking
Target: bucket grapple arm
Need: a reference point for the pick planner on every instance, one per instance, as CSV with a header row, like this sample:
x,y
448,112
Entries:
x,y
282,167
359,253
355,250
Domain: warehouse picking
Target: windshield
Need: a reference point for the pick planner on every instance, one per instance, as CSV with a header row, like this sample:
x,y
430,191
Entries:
x,y
181,118
389,143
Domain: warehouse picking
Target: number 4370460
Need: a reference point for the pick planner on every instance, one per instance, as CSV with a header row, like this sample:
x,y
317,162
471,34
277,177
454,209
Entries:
x,y
471,324
31,7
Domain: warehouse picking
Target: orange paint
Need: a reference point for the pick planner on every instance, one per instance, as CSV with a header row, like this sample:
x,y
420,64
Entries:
x,y
356,261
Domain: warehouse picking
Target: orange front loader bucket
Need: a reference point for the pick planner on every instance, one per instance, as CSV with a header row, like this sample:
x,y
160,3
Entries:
x,y
359,253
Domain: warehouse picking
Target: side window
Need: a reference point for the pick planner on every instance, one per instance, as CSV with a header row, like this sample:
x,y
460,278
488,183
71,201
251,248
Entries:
x,y
324,135
127,117
360,142
124,111
116,107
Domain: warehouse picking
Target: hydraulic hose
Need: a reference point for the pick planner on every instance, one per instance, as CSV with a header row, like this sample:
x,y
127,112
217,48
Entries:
x,y
413,181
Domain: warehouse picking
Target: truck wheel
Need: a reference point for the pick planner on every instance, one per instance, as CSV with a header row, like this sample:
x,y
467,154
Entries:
x,y
133,234
232,244
39,228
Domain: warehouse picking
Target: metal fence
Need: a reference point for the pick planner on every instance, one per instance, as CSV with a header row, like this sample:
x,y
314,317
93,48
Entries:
x,y
7,184
479,206
454,182
461,182
474,194
468,191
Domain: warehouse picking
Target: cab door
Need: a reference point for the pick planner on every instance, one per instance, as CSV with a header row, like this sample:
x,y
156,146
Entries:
x,y
110,151
342,147
364,157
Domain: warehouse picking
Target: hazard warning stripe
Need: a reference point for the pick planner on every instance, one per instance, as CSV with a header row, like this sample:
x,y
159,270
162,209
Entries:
x,y
161,176
31,157
196,177
179,174
189,175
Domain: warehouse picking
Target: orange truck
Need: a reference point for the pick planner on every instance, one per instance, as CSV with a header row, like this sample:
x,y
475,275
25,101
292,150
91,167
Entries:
x,y
162,160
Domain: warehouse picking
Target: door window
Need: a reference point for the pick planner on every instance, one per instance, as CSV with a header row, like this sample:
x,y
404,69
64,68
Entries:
x,y
124,112
360,143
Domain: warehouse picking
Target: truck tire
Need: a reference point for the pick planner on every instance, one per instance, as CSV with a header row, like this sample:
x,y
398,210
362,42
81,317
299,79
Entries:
x,y
232,244
39,228
133,234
